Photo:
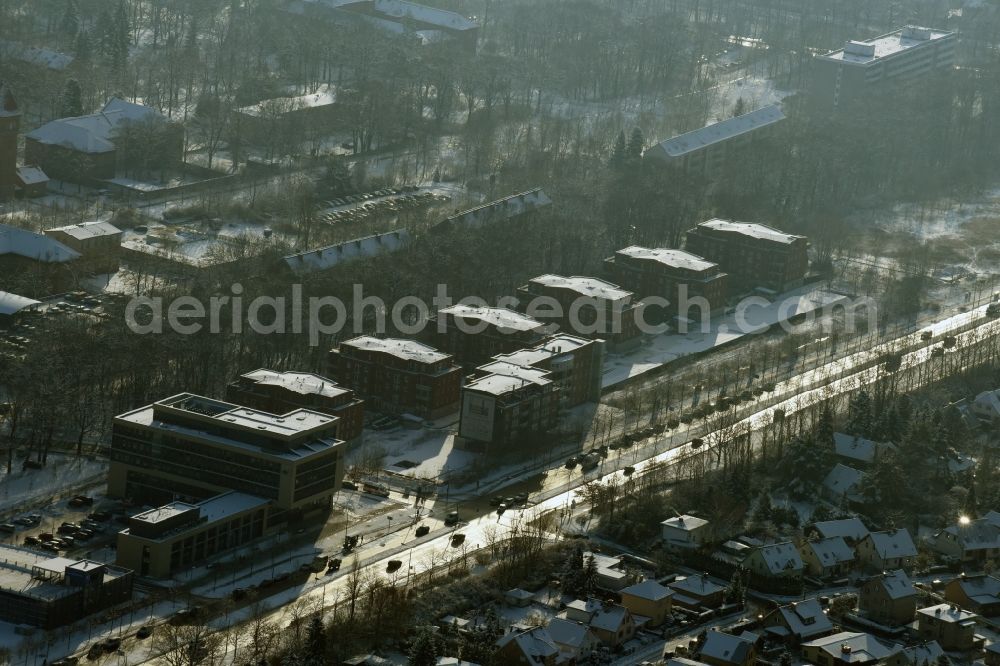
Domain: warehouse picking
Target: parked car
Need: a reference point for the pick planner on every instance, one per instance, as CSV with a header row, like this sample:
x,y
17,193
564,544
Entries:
x,y
422,530
145,631
111,643
393,565
451,518
99,516
457,540
8,527
334,565
31,540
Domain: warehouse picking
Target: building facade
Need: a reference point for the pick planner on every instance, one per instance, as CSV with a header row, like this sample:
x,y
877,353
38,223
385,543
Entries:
x,y
99,243
888,598
675,275
583,306
280,392
510,405
859,69
754,255
575,365
398,376
192,448
10,125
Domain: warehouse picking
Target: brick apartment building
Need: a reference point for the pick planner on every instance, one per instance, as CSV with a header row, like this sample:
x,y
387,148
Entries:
x,y
398,376
862,68
518,397
190,448
583,306
476,334
280,392
662,272
754,255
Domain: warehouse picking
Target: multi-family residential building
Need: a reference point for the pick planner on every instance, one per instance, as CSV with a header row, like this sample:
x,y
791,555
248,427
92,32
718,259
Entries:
x,y
191,448
280,392
583,306
882,551
473,335
575,365
178,535
510,404
863,68
707,149
754,255
949,625
398,376
888,598
675,275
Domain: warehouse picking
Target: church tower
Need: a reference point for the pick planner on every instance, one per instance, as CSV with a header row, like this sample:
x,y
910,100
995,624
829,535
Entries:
x,y
10,124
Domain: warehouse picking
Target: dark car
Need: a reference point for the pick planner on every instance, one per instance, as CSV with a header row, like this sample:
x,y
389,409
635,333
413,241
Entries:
x,y
347,485
145,631
99,516
423,530
457,540
238,593
31,541
111,643
334,565
393,565
8,527
95,652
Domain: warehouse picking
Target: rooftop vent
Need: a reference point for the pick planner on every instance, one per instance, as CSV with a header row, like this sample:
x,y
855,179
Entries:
x,y
916,32
862,49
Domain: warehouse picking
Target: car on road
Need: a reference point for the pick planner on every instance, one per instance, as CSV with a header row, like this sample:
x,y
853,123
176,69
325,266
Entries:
x,y
572,462
496,500
8,527
422,530
145,631
393,565
457,540
23,521
334,565
926,335
95,652
99,516
629,470
111,643
238,593
696,442
31,540
451,518
81,500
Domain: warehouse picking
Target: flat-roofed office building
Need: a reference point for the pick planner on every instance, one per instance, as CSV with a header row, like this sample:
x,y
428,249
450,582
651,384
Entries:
x,y
191,448
863,67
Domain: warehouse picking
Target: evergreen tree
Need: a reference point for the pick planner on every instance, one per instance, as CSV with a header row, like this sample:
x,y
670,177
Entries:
x,y
425,649
72,99
479,646
589,581
860,414
70,24
316,641
83,48
739,108
636,142
825,428
618,150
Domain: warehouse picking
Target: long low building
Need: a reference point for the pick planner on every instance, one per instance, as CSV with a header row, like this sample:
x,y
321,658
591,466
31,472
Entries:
x,y
49,592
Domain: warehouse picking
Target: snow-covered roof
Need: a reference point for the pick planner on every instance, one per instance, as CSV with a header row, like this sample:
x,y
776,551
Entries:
x,y
12,303
567,632
303,383
648,589
554,346
86,230
724,130
585,286
501,209
610,618
988,400
326,95
854,447
948,613
831,551
424,14
896,584
805,619
502,318
781,557
982,588
536,644
843,480
29,175
24,243
925,653
892,544
229,504
93,133
727,648
979,534
408,350
360,248
685,522
869,51
750,230
507,377
8,104
34,55
853,647
849,528
670,257
697,585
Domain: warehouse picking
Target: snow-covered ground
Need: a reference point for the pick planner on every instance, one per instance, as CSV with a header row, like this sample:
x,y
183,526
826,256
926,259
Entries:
x,y
62,472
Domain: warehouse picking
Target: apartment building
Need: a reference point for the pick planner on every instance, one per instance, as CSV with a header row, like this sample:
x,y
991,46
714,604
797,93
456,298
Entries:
x,y
706,149
281,392
575,365
398,376
583,306
191,448
862,68
755,255
669,274
476,334
510,404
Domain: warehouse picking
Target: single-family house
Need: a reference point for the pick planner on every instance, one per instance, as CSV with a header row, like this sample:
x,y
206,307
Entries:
x,y
843,483
528,647
722,649
827,558
888,598
697,592
979,594
852,530
798,621
576,642
685,532
882,551
855,450
850,648
776,560
648,599
992,657
970,541
986,406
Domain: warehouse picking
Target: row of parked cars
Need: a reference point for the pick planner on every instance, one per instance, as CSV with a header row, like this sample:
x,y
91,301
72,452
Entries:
x,y
390,200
